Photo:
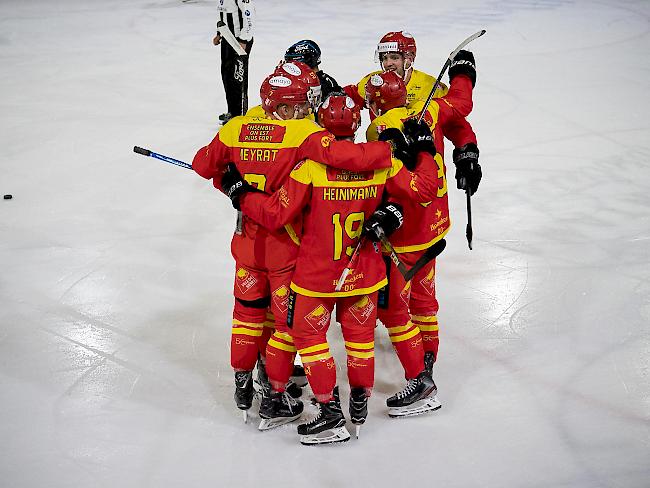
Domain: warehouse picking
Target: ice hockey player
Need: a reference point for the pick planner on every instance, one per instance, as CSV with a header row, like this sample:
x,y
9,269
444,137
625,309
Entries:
x,y
308,52
308,77
411,313
264,151
337,210
396,52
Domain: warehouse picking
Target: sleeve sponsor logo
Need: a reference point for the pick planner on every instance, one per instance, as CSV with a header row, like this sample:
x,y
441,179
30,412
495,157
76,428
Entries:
x,y
326,140
262,133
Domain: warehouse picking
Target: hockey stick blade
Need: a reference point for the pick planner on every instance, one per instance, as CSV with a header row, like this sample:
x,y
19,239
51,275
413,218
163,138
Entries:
x,y
140,150
430,254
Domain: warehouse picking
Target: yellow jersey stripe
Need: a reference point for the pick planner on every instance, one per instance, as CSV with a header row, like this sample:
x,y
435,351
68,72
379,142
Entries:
x,y
351,293
360,345
424,318
406,336
281,345
257,325
361,355
248,332
315,357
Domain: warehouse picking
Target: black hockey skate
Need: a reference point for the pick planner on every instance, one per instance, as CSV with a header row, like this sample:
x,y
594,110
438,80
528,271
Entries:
x,y
277,409
327,427
417,397
263,383
358,407
244,391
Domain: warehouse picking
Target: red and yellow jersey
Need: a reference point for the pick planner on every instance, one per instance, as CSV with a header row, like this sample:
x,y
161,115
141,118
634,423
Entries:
x,y
258,111
334,204
417,89
424,224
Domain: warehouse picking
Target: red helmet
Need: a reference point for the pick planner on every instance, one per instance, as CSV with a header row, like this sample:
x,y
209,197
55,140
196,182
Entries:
x,y
396,42
277,89
304,73
387,90
340,115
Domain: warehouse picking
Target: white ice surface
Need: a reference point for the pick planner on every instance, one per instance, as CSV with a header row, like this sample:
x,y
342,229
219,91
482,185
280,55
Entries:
x,y
115,273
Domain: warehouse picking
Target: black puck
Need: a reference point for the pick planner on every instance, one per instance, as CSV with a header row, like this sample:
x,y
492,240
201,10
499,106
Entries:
x,y
8,197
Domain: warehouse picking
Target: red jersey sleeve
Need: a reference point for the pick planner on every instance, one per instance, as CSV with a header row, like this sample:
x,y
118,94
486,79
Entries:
x,y
274,211
322,147
459,96
210,160
422,185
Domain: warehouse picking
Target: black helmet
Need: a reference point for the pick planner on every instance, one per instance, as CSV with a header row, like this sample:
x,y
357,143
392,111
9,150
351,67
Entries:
x,y
306,51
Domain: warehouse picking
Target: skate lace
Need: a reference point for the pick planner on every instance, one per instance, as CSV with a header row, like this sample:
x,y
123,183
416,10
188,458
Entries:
x,y
289,400
408,389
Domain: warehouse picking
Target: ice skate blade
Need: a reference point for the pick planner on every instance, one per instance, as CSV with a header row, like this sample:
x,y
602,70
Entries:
x,y
245,415
268,424
330,436
417,408
357,430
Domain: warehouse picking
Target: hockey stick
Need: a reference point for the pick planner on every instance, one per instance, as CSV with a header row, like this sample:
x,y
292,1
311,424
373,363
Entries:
x,y
351,264
448,62
430,254
229,37
167,159
408,274
468,230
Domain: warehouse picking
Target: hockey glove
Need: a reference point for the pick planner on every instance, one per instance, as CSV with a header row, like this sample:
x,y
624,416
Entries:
x,y
401,149
419,133
463,64
388,216
468,171
233,185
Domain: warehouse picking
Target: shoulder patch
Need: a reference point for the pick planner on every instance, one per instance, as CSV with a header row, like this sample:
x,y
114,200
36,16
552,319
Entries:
x,y
326,140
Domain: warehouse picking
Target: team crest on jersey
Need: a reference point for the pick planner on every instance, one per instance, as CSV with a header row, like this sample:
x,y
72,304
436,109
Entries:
x,y
281,298
429,282
345,175
262,133
326,140
405,294
318,318
362,309
245,281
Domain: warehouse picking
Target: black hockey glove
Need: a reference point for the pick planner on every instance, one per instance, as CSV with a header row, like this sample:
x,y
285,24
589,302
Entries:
x,y
419,134
388,216
468,171
233,185
463,64
401,149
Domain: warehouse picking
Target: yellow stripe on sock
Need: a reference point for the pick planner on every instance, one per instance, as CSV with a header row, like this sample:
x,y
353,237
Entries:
x,y
406,336
248,332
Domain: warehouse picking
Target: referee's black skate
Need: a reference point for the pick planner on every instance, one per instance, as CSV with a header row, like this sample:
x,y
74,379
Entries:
x,y
358,407
417,397
278,408
327,427
224,118
244,391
